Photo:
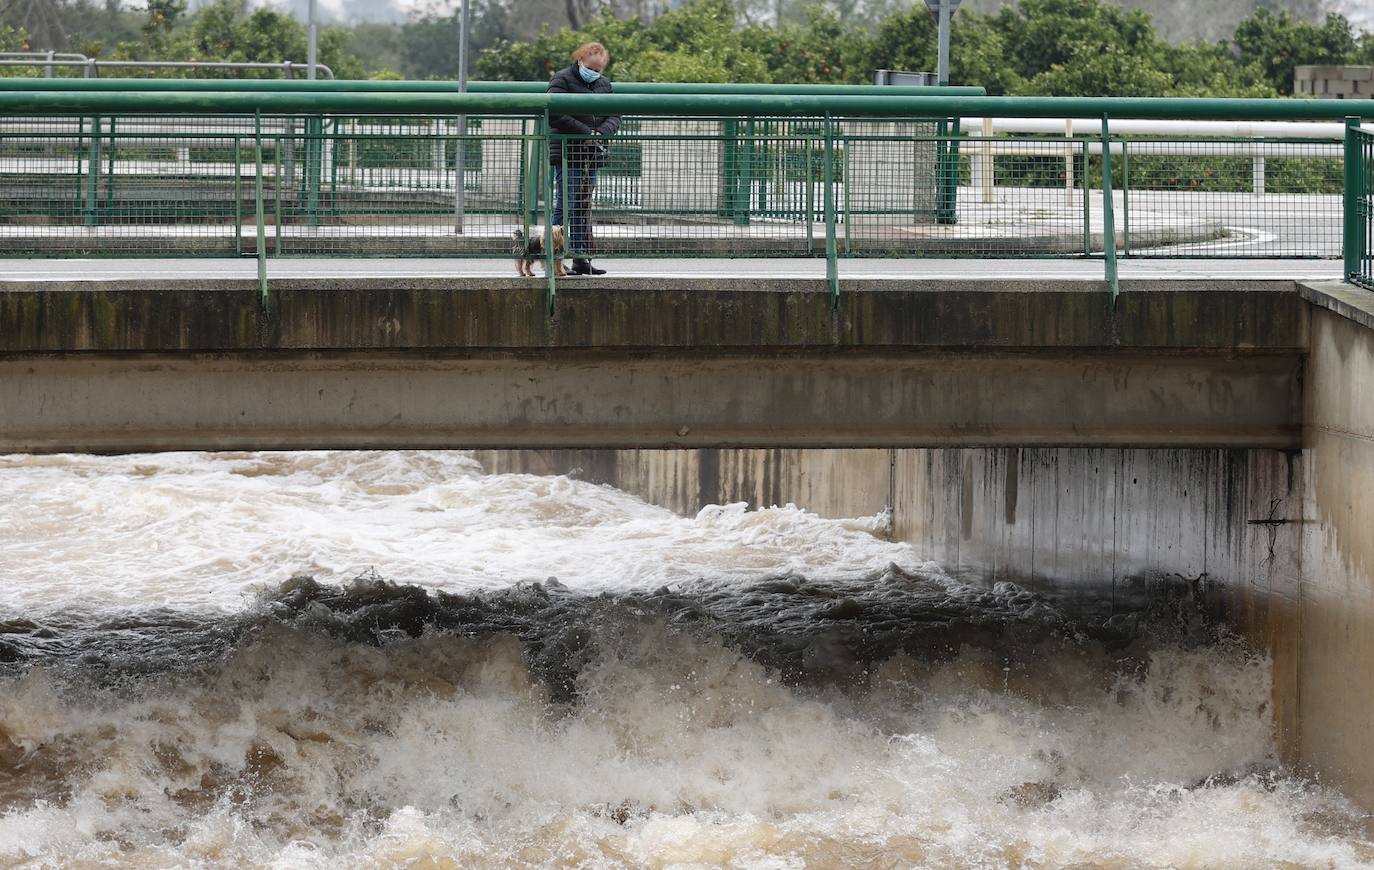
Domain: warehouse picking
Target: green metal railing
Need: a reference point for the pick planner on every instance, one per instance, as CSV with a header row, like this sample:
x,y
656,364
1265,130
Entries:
x,y
475,87
793,172
1359,204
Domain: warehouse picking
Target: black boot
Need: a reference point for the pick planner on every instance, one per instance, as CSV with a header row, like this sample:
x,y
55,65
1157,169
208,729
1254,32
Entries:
x,y
585,267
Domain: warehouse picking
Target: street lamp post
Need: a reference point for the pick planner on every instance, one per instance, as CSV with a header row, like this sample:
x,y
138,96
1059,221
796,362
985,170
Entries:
x,y
310,51
947,148
943,10
459,158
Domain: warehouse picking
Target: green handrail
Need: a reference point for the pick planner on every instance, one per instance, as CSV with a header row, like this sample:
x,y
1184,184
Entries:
x,y
82,104
447,87
310,103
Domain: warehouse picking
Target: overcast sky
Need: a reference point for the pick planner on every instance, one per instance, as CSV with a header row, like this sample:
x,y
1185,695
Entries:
x,y
352,10
1360,12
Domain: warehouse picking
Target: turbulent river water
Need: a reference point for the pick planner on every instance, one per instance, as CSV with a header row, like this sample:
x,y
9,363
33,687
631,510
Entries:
x,y
396,660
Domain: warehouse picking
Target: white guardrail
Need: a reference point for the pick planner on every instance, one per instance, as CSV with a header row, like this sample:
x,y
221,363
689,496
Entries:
x,y
1324,140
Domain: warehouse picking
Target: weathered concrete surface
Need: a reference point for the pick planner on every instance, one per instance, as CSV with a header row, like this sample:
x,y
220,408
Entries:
x,y
1121,528
97,402
1111,529
165,315
1336,696
1280,541
836,483
633,363
992,418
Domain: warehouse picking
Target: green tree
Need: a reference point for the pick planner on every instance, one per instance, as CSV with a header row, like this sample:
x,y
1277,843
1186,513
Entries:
x,y
13,39
1201,69
1041,35
823,50
1109,71
1276,43
220,32
978,49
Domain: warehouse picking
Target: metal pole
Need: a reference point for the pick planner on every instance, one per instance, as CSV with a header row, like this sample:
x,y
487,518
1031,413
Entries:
x,y
985,160
1108,218
1125,200
310,56
942,62
93,175
459,158
1354,193
552,293
257,197
47,70
832,272
1068,162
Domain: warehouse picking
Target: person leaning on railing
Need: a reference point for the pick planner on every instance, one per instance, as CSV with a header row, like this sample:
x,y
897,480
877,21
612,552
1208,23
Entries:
x,y
575,161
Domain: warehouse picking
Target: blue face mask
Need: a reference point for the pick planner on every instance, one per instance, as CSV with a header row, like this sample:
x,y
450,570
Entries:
x,y
588,75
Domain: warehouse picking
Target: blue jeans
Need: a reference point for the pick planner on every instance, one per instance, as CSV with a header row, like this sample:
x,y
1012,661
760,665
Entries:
x,y
577,230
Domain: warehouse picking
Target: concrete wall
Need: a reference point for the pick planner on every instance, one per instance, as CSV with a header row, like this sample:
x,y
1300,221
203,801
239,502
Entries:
x,y
1003,423
397,400
1334,82
1336,696
159,365
1111,528
832,483
1281,542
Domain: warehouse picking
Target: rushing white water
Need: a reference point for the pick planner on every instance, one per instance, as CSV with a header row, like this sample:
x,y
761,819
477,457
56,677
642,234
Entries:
x,y
750,689
202,530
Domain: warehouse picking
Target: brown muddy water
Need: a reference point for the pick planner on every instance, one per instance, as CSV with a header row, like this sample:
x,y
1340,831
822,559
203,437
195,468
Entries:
x,y
395,660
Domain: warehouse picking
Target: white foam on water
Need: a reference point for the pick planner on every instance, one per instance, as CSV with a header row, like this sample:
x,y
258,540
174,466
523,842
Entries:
x,y
298,749
203,530
302,751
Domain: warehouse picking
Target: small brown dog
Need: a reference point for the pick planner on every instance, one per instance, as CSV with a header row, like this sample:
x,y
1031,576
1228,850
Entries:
x,y
529,251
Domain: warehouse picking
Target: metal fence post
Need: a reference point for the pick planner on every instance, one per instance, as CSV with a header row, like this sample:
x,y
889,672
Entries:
x,y
844,182
1353,239
238,198
92,174
314,148
276,196
1108,217
459,171
749,150
524,180
736,175
262,231
80,166
810,199
110,167
1125,201
832,269
1087,182
546,129
947,171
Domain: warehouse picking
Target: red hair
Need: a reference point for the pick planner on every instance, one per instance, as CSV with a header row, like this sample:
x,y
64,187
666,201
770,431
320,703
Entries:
x,y
589,50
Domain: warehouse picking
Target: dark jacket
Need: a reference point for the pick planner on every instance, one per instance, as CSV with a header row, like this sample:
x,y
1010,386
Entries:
x,y
568,81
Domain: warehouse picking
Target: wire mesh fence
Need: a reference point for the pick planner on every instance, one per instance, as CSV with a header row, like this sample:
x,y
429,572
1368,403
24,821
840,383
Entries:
x,y
491,186
1359,208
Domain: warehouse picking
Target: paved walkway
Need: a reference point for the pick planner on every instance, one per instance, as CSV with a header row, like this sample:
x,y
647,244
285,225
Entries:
x,y
62,270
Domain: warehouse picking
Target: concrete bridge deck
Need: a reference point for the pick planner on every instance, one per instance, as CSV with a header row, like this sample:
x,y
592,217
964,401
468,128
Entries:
x,y
996,407
19,271
179,354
